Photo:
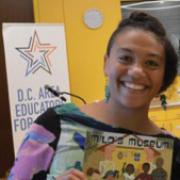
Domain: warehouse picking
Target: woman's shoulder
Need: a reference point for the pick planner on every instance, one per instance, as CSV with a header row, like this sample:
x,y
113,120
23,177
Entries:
x,y
167,133
96,110
55,111
66,108
170,135
50,119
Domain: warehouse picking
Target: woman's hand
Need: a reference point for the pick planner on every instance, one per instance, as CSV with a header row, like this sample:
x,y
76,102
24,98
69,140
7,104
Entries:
x,y
72,174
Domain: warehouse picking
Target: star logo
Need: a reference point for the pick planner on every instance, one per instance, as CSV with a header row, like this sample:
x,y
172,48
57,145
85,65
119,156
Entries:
x,y
36,54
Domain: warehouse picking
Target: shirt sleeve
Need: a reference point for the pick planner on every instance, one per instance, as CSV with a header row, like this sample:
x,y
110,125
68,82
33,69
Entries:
x,y
37,149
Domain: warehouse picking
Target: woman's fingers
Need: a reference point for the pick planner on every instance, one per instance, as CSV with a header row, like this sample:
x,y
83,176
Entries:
x,y
72,174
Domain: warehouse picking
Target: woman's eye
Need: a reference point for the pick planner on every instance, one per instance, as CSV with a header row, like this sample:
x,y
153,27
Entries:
x,y
152,64
125,59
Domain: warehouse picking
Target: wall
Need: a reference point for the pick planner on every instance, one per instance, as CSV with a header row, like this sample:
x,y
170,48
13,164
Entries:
x,y
86,47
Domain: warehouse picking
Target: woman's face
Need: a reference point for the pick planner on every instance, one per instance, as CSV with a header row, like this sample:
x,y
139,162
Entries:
x,y
135,68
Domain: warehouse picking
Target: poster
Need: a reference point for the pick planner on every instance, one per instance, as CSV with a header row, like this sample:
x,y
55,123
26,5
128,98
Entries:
x,y
35,56
127,156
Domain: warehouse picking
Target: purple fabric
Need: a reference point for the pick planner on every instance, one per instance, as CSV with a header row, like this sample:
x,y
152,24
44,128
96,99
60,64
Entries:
x,y
43,134
34,154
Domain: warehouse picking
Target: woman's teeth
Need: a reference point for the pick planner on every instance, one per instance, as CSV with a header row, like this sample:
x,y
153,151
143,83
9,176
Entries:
x,y
134,86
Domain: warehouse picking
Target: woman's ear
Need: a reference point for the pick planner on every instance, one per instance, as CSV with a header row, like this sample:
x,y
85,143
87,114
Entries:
x,y
106,62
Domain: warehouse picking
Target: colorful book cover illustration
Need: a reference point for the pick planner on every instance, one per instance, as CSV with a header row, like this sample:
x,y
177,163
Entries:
x,y
127,156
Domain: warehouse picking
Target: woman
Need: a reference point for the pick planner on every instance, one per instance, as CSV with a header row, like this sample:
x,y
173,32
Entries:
x,y
140,63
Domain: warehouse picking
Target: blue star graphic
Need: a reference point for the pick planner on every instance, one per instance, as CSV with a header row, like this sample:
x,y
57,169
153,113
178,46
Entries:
x,y
36,54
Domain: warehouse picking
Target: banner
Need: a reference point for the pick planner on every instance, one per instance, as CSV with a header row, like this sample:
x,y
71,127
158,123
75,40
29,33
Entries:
x,y
35,56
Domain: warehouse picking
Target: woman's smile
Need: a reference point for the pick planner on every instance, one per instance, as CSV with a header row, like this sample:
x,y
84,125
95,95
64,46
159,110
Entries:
x,y
133,86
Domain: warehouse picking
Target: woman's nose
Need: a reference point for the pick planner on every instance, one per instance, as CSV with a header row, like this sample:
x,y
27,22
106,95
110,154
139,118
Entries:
x,y
136,71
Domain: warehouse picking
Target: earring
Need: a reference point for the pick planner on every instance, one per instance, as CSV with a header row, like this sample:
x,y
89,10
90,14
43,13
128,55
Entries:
x,y
163,101
107,91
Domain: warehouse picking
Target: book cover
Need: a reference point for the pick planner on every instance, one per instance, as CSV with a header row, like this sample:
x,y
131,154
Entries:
x,y
127,156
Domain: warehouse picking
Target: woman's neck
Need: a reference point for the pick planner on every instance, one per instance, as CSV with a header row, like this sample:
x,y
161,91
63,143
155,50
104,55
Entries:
x,y
126,116
116,116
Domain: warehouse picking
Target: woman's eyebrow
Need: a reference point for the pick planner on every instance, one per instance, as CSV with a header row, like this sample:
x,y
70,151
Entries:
x,y
121,49
155,55
151,54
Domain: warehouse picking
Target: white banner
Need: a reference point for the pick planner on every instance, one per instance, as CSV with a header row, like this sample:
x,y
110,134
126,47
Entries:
x,y
35,56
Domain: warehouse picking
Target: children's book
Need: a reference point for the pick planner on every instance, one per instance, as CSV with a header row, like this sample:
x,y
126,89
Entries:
x,y
127,156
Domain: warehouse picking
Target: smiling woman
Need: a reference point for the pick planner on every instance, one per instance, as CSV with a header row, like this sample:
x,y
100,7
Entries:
x,y
135,68
140,63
